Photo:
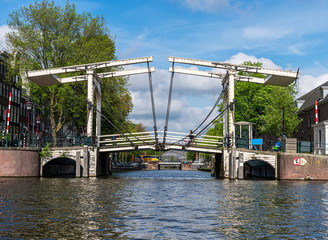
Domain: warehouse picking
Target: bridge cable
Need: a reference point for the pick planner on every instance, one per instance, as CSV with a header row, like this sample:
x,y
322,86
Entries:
x,y
122,125
168,104
152,102
109,122
214,106
206,127
211,122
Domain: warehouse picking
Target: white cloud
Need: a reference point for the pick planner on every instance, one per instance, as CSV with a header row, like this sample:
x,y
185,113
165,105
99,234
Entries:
x,y
3,30
308,83
240,58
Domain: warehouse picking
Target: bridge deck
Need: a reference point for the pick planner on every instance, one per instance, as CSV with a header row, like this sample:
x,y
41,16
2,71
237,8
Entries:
x,y
169,163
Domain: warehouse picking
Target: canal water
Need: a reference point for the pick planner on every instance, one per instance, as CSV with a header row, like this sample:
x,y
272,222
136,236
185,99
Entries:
x,y
168,204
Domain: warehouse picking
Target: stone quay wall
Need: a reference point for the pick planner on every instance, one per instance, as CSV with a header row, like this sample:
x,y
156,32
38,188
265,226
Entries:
x,y
302,166
19,162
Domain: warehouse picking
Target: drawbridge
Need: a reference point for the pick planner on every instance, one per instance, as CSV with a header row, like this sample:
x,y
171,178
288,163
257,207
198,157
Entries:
x,y
196,140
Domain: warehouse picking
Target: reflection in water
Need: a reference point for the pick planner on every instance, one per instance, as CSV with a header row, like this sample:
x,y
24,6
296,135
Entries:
x,y
161,205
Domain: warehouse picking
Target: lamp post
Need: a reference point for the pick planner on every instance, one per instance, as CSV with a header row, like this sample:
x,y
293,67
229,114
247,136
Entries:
x,y
28,108
37,130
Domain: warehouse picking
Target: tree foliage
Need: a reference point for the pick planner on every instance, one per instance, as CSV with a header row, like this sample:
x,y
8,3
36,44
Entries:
x,y
263,105
45,35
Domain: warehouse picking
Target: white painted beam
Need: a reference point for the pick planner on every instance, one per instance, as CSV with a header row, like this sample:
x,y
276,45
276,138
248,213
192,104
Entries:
x,y
126,72
46,77
106,75
250,79
269,80
197,72
275,77
216,75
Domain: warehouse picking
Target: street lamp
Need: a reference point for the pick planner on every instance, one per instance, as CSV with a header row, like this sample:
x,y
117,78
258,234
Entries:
x,y
37,130
28,108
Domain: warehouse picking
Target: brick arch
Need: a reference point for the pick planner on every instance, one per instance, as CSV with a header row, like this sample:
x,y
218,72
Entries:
x,y
60,166
258,168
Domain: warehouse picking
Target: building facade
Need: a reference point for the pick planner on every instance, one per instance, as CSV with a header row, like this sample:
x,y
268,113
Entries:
x,y
18,111
312,126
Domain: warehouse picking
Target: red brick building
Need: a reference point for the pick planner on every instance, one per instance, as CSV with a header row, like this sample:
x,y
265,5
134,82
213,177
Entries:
x,y
306,112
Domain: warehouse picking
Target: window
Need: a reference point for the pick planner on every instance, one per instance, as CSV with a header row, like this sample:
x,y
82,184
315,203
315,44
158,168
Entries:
x,y
309,120
301,125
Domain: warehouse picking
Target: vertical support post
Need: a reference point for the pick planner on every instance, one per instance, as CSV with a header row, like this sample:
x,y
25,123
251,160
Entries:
x,y
231,97
90,99
231,130
85,162
241,166
225,115
233,165
98,118
78,164
33,125
230,165
98,123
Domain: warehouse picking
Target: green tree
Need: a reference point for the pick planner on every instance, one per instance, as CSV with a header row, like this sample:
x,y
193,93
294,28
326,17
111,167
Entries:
x,y
263,105
133,127
46,36
191,156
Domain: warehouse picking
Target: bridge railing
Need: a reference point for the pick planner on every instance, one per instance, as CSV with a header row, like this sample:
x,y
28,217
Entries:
x,y
42,141
125,139
178,138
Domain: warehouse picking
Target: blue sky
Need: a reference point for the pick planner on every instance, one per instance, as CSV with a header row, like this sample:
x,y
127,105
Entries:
x,y
283,34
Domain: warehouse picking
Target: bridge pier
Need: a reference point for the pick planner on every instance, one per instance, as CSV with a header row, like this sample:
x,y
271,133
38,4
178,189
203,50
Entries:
x,y
242,163
240,168
232,164
86,164
186,166
217,165
153,165
104,164
78,164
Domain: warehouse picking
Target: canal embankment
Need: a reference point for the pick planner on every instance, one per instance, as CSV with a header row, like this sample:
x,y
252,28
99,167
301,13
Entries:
x,y
19,162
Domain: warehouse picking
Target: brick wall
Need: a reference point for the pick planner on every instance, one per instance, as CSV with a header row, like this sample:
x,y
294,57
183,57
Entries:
x,y
19,163
302,166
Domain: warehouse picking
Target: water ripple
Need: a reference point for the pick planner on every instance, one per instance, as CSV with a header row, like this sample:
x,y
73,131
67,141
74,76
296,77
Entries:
x,y
162,205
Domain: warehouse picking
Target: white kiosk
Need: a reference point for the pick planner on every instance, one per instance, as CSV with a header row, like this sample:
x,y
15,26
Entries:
x,y
320,137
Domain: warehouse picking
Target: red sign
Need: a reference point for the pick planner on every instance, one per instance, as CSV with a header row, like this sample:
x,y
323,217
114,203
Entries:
x,y
297,161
